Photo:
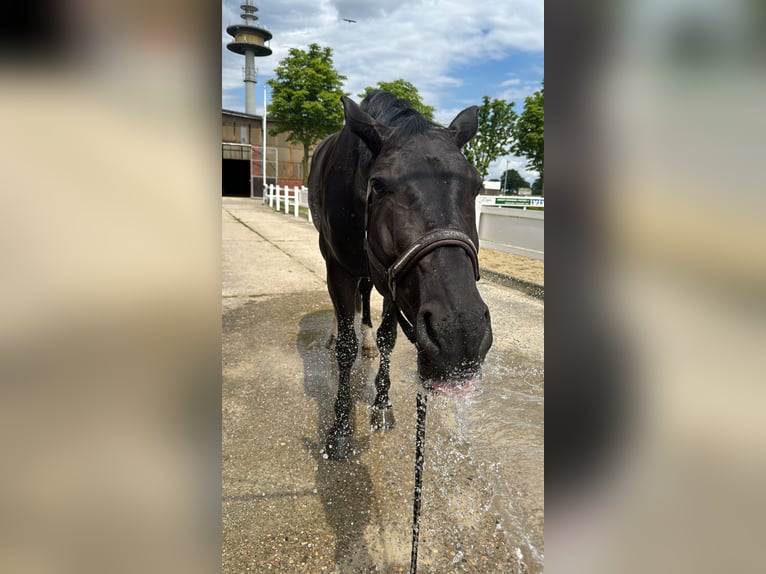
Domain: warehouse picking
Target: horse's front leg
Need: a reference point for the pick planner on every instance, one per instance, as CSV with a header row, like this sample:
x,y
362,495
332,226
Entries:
x,y
382,416
342,288
369,348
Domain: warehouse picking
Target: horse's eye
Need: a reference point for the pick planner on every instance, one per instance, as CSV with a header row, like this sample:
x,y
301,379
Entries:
x,y
377,186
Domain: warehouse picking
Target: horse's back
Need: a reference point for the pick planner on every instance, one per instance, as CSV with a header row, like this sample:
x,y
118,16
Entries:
x,y
316,179
337,207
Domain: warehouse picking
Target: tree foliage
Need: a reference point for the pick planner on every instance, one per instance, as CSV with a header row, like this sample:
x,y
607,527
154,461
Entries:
x,y
495,134
513,181
529,132
305,97
537,186
404,90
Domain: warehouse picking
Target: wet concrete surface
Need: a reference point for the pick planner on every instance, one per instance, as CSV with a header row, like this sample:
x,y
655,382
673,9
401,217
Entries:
x,y
286,508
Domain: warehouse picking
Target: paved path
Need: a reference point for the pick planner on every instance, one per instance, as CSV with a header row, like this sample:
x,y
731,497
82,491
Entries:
x,y
286,508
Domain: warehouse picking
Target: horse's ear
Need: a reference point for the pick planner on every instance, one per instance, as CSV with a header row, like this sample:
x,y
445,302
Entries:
x,y
364,126
465,125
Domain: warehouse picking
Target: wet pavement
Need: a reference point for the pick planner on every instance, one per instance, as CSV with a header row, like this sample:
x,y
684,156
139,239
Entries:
x,y
286,508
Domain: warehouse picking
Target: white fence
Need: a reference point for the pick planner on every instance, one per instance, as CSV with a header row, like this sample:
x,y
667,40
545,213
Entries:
x,y
287,199
513,230
518,231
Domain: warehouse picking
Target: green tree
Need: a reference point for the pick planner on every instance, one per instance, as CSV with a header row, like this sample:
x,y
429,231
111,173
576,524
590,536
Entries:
x,y
537,186
529,132
495,134
512,181
305,98
404,90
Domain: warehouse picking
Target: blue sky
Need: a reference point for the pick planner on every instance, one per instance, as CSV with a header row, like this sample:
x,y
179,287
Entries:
x,y
454,52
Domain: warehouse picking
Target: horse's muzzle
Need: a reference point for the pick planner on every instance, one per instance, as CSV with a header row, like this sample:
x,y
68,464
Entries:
x,y
453,387
452,347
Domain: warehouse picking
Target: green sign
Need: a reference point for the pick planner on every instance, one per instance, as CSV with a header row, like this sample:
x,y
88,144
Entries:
x,y
512,201
520,201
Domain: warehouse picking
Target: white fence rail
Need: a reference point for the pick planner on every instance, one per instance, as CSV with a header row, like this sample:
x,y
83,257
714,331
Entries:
x,y
287,199
514,230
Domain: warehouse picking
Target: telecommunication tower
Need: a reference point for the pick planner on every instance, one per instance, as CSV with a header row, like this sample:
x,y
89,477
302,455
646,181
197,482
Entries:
x,y
251,41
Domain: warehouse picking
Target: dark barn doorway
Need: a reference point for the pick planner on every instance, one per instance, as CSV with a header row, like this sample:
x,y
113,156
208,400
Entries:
x,y
236,178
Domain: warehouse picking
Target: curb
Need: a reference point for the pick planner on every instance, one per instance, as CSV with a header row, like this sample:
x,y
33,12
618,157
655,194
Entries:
x,y
532,289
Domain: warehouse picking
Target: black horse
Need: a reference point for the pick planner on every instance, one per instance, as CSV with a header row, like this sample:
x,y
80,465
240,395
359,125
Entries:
x,y
393,199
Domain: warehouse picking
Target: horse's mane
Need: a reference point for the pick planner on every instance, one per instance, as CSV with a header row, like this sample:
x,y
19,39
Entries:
x,y
391,111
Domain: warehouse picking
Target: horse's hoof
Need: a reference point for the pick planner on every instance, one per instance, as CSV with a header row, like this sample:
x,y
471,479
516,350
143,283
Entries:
x,y
369,352
337,447
382,419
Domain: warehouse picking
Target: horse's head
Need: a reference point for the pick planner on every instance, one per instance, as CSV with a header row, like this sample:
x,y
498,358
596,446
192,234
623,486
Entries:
x,y
422,240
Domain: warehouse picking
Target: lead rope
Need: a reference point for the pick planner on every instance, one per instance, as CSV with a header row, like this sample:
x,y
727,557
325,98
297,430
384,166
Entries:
x,y
420,438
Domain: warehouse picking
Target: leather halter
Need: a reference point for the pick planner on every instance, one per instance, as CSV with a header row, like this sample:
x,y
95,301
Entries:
x,y
422,246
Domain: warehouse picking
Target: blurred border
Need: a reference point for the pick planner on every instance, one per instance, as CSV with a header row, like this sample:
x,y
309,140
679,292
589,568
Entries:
x,y
110,306
655,284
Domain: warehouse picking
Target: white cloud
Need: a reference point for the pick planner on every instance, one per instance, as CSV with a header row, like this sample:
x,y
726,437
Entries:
x,y
421,41
519,92
497,167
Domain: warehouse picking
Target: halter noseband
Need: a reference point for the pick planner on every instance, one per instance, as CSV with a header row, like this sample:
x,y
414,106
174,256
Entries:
x,y
418,249
422,246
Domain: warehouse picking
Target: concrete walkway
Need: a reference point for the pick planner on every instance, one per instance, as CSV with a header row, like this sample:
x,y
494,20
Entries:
x,y
266,252
288,509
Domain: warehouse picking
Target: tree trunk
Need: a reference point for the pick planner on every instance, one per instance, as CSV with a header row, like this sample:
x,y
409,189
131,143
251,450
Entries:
x,y
305,163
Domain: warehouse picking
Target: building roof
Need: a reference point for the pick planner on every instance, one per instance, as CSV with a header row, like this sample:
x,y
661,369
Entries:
x,y
243,115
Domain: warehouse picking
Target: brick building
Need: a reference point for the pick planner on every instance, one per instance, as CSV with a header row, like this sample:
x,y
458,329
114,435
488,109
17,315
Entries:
x,y
242,155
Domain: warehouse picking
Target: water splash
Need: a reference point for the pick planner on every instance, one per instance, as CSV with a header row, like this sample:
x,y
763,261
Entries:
x,y
483,493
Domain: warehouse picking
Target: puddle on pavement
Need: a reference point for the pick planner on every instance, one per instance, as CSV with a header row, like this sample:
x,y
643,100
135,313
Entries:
x,y
289,509
483,478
